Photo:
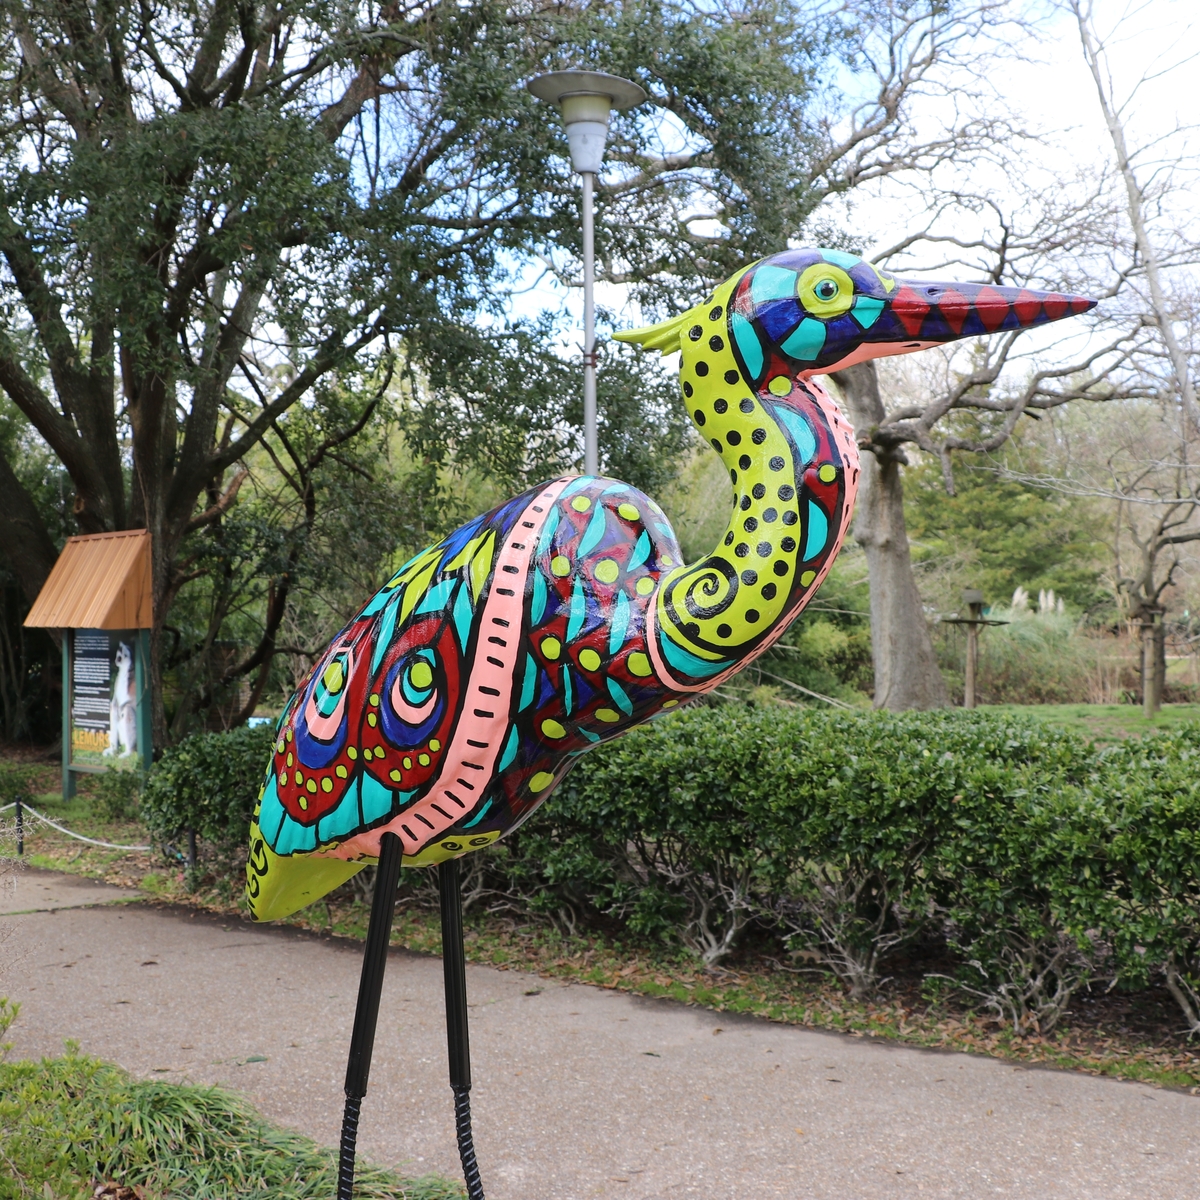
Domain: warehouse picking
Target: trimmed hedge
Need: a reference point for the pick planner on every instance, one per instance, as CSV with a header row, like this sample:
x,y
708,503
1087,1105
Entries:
x,y
1043,862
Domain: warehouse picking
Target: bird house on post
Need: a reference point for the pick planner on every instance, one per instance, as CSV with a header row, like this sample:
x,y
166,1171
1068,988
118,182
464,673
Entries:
x,y
973,603
973,599
99,595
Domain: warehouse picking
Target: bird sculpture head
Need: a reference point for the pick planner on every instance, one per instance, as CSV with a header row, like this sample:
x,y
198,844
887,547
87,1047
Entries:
x,y
808,312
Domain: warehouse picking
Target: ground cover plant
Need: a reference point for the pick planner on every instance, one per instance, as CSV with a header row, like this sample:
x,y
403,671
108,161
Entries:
x,y
72,1124
982,881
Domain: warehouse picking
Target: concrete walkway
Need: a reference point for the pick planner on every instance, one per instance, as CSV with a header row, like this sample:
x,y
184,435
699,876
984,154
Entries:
x,y
579,1092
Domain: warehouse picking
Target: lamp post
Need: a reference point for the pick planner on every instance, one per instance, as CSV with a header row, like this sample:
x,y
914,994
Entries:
x,y
586,98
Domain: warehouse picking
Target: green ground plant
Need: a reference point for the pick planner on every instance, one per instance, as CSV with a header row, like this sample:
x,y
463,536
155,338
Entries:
x,y
70,1123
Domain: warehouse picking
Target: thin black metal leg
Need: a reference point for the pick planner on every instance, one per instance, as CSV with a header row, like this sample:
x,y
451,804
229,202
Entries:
x,y
455,967
366,1015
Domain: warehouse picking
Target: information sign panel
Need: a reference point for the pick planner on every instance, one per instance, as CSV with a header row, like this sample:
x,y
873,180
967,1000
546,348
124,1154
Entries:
x,y
105,695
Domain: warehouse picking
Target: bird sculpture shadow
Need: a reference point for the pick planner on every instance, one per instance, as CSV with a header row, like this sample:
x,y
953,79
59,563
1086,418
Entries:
x,y
452,705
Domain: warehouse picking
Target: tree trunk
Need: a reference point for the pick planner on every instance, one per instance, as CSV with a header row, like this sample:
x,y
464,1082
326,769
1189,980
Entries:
x,y
1154,662
906,670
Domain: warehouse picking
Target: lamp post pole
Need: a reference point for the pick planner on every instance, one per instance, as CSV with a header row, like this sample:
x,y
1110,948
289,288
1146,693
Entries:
x,y
586,98
591,433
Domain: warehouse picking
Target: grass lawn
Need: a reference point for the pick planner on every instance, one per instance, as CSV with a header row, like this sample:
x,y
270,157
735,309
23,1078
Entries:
x,y
1102,722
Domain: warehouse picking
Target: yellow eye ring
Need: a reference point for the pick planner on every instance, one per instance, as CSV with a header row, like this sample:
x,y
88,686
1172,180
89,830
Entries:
x,y
825,290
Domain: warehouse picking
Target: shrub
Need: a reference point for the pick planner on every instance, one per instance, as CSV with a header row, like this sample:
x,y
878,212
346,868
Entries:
x,y
876,795
818,822
208,783
116,793
1021,883
16,779
670,829
1151,795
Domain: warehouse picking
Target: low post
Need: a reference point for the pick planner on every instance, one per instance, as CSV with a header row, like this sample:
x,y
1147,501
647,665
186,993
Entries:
x,y
20,827
973,599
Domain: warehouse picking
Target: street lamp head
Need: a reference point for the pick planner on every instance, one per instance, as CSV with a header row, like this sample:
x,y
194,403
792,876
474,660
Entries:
x,y
586,98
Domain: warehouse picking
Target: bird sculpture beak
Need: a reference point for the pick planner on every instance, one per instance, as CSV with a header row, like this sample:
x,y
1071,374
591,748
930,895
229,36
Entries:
x,y
918,315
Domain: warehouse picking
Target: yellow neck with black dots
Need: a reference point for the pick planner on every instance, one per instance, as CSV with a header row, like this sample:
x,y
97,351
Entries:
x,y
721,607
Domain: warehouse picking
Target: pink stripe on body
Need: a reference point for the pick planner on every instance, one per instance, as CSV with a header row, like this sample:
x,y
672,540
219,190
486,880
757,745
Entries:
x,y
484,715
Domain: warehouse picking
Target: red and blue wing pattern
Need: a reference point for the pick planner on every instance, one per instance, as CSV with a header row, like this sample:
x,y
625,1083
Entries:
x,y
449,706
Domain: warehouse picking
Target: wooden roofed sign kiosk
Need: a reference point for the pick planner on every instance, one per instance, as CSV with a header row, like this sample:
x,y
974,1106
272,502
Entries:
x,y
99,595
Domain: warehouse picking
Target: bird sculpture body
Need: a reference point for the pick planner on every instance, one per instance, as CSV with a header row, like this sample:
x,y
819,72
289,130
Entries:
x,y
449,708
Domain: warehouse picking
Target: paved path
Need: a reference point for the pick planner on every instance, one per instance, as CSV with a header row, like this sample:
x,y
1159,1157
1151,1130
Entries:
x,y
581,1092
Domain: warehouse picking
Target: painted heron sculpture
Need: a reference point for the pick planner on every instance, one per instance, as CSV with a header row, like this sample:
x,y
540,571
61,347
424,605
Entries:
x,y
451,706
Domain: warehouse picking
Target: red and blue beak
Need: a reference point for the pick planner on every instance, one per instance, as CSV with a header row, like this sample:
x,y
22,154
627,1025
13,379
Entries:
x,y
944,312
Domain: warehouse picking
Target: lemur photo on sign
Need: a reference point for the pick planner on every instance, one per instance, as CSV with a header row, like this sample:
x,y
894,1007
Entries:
x,y
104,699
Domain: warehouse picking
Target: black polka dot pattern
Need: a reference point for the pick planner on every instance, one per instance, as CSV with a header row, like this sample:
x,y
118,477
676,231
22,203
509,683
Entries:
x,y
759,491
777,463
731,377
746,404
702,369
769,515
721,406
749,578
758,436
750,524
786,492
768,591
715,313
715,344
723,631
700,417
764,549
695,333
745,503
744,462
790,517
780,567
787,545
741,550
733,438
753,615
716,445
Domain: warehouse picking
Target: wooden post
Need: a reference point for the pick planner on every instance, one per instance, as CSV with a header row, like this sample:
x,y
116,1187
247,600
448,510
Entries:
x,y
68,780
145,722
973,599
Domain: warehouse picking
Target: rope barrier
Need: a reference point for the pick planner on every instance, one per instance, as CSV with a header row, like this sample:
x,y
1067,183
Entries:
x,y
77,836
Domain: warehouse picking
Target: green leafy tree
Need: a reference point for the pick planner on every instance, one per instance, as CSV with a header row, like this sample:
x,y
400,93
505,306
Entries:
x,y
1003,533
214,208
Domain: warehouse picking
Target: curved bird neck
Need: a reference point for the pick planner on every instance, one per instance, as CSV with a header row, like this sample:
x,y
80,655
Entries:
x,y
793,466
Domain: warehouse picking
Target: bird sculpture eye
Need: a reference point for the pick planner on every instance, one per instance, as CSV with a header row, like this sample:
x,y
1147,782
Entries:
x,y
825,290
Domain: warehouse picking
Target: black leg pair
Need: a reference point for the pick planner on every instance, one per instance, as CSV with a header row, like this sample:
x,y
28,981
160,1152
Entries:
x,y
362,1040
